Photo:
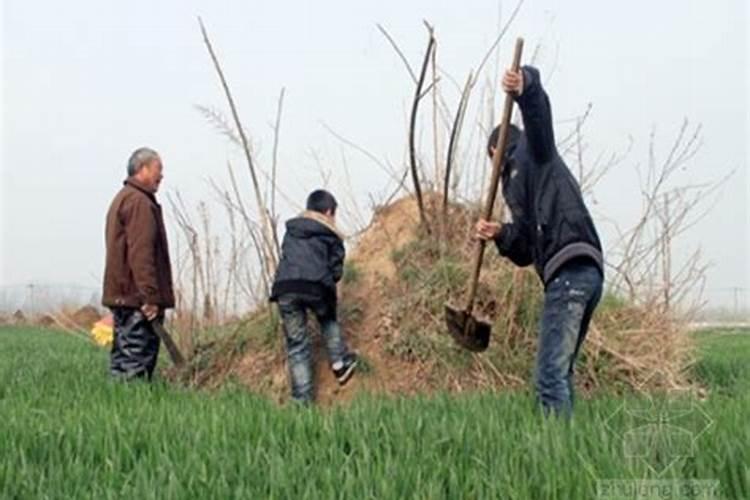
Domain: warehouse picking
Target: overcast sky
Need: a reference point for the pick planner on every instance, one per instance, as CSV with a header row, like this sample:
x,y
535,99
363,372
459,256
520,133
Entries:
x,y
86,82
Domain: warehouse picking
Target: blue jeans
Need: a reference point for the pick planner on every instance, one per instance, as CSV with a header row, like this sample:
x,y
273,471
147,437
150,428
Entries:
x,y
293,309
569,301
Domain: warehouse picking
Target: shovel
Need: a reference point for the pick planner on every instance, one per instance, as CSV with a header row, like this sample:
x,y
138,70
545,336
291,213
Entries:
x,y
172,349
470,332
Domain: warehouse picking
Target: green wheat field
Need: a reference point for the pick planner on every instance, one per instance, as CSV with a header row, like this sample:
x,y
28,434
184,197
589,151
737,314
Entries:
x,y
67,431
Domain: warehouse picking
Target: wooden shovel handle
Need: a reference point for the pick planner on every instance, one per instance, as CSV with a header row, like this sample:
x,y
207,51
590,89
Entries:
x,y
497,165
172,349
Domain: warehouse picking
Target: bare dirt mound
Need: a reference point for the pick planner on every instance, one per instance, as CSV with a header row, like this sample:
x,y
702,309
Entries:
x,y
395,283
391,228
369,273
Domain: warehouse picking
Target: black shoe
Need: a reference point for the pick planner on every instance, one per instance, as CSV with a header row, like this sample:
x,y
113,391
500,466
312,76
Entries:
x,y
345,372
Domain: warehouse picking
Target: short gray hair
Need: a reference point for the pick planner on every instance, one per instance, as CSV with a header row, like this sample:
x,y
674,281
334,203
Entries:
x,y
140,157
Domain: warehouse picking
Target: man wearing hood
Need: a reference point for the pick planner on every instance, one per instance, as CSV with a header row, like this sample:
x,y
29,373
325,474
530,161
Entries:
x,y
548,225
312,263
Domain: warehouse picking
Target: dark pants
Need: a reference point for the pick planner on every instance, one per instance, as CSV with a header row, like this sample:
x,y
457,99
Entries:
x,y
569,301
293,309
135,347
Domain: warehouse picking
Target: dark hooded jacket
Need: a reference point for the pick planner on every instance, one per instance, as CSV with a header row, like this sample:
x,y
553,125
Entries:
x,y
550,223
312,258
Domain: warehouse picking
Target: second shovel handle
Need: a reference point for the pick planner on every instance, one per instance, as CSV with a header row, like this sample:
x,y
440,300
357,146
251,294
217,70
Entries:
x,y
174,352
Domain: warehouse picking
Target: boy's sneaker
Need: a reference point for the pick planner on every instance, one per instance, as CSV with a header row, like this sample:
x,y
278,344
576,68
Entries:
x,y
345,368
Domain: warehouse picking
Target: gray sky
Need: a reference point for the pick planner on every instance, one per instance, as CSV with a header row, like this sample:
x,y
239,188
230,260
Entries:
x,y
85,82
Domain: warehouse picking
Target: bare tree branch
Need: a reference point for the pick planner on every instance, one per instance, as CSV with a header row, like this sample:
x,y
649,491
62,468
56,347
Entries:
x,y
412,129
455,132
271,257
276,131
380,163
500,35
398,51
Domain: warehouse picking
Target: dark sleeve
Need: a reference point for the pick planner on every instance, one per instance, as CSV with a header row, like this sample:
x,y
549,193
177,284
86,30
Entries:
x,y
336,259
140,233
537,116
512,243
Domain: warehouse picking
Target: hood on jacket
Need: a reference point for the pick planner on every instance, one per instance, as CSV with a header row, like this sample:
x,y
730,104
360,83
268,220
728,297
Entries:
x,y
310,224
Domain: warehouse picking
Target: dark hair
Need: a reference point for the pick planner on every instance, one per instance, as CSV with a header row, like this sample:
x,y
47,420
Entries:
x,y
321,201
514,134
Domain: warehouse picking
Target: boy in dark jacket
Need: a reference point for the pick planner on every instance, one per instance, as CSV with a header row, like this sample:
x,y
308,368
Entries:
x,y
312,262
550,227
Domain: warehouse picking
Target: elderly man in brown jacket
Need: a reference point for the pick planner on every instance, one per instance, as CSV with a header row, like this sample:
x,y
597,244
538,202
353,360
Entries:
x,y
138,276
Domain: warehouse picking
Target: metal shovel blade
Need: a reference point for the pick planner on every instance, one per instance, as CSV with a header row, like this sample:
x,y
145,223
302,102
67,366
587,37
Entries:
x,y
469,332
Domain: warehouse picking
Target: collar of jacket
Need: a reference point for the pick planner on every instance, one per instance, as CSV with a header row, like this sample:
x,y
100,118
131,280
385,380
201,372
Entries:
x,y
130,181
318,217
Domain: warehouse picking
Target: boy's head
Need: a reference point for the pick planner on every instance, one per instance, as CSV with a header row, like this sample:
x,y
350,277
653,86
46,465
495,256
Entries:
x,y
322,201
514,134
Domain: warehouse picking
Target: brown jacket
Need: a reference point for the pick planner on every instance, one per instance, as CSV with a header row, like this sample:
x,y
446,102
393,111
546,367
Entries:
x,y
137,270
